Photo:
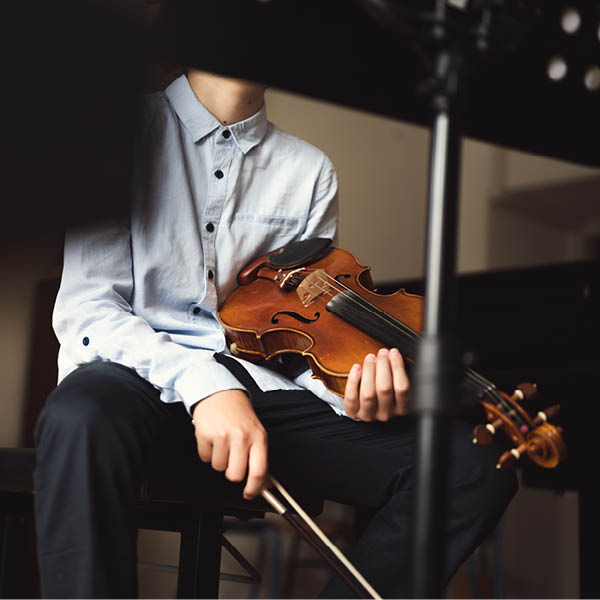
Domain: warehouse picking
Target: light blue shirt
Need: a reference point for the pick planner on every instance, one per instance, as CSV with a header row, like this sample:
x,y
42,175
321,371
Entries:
x,y
207,199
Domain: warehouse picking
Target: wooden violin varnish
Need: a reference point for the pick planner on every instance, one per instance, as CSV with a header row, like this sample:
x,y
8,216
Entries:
x,y
312,299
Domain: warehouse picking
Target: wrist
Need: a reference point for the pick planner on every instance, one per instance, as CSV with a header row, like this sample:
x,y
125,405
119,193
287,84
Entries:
x,y
193,408
218,396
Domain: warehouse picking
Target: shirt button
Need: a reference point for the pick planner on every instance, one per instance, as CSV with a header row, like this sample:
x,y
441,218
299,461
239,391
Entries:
x,y
210,227
226,134
219,174
196,310
210,274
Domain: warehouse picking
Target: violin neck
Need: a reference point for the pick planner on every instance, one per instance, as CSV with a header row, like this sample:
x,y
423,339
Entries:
x,y
375,322
392,333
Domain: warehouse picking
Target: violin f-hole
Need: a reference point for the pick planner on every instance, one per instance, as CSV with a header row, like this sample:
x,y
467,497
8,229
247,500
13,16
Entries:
x,y
294,315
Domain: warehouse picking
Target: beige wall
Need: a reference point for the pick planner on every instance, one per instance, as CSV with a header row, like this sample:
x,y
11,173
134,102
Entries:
x,y
539,228
21,265
527,170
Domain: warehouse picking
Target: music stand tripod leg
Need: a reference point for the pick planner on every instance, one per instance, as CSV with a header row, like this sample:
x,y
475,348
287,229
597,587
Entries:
x,y
437,366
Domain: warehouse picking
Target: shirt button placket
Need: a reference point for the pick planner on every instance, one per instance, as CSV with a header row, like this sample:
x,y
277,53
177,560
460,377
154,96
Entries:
x,y
216,200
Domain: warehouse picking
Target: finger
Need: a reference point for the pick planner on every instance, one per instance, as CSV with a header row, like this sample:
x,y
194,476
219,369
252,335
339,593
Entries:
x,y
257,468
351,395
220,454
368,397
384,387
204,449
238,457
401,382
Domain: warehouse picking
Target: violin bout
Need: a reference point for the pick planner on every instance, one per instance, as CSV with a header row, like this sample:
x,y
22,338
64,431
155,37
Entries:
x,y
287,310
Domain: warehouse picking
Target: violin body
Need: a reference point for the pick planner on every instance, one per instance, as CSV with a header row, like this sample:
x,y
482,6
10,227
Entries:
x,y
278,322
319,301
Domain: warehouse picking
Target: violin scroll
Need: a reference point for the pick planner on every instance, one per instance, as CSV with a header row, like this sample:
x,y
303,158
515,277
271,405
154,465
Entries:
x,y
544,446
536,438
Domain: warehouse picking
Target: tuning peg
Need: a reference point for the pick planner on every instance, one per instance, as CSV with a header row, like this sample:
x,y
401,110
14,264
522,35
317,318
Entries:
x,y
545,415
525,391
483,434
510,457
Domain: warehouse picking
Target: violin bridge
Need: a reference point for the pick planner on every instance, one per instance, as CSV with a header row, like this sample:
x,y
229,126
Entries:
x,y
312,287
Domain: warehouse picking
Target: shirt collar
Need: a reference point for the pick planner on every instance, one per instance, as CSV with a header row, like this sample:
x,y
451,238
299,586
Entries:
x,y
200,122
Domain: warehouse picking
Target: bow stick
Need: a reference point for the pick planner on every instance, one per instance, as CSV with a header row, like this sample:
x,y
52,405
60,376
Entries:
x,y
311,532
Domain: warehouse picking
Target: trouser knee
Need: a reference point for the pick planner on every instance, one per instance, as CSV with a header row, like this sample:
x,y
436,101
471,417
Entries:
x,y
494,488
92,411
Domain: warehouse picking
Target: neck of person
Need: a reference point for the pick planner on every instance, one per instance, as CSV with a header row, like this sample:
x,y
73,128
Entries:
x,y
229,100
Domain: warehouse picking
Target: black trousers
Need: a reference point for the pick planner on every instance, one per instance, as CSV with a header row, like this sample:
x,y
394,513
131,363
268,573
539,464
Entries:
x,y
104,427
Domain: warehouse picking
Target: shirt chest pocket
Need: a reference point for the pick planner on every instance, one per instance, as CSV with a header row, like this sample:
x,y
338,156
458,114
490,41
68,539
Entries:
x,y
264,224
252,235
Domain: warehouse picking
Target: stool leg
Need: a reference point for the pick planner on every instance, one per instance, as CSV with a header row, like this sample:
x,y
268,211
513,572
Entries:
x,y
276,553
18,564
3,553
200,555
292,565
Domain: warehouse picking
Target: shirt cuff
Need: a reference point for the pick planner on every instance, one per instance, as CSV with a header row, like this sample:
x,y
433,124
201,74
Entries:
x,y
203,380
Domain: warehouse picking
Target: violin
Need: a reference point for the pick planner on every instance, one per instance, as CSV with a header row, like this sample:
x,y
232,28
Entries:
x,y
319,301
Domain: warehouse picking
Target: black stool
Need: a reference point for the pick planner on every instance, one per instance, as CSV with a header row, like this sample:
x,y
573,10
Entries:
x,y
192,506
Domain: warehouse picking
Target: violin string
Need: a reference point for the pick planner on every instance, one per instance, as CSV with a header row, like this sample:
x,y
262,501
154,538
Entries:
x,y
351,295
484,385
373,309
488,388
481,384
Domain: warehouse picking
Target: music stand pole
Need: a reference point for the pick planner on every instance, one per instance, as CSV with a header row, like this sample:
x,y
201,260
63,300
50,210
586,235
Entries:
x,y
437,365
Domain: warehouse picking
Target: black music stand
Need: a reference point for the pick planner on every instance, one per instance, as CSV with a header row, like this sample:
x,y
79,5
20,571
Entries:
x,y
453,46
449,44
